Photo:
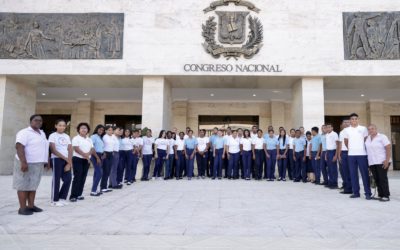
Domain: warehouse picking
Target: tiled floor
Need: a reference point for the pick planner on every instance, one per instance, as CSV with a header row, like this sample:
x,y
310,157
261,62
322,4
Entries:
x,y
204,214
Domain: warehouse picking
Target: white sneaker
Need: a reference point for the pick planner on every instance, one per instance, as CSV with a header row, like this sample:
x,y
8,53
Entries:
x,y
57,204
64,202
153,178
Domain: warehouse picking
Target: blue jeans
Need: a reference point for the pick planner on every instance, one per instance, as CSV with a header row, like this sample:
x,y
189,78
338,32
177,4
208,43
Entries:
x,y
246,160
159,162
359,162
299,156
126,160
189,163
168,165
201,163
324,168
107,165
146,166
233,167
316,165
260,155
60,174
346,172
218,163
98,171
271,162
180,163
332,169
282,164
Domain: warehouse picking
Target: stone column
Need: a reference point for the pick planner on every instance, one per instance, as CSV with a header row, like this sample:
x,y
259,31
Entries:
x,y
17,104
308,107
375,111
156,104
83,113
180,111
277,114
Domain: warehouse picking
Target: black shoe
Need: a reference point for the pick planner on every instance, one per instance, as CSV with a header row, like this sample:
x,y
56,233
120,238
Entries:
x,y
354,196
81,198
333,187
94,194
72,199
384,199
213,178
35,209
343,192
368,197
25,211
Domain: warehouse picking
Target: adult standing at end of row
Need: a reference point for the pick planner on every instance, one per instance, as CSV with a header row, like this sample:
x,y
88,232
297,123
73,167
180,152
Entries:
x,y
31,158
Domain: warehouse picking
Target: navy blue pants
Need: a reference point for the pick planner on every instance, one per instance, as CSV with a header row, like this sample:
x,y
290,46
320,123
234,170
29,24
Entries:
x,y
107,165
125,164
233,165
344,164
180,163
201,163
359,163
80,169
246,160
218,163
135,161
210,165
159,162
316,165
332,169
146,166
305,168
260,155
290,165
282,165
324,167
299,156
60,174
114,169
271,162
189,163
98,171
168,165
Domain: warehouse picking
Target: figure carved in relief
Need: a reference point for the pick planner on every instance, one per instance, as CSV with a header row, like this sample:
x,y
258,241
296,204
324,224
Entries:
x,y
33,45
392,47
113,38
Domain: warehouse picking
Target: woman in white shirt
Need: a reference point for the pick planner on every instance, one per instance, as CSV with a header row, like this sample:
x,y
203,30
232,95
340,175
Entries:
x,y
61,149
108,158
126,157
233,154
245,147
83,150
179,155
147,155
282,154
170,160
203,144
137,143
258,154
161,147
291,163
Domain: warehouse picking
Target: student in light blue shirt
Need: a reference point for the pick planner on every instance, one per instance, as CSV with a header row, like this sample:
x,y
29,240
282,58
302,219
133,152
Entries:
x,y
97,139
299,155
218,154
315,159
272,147
322,154
211,152
190,145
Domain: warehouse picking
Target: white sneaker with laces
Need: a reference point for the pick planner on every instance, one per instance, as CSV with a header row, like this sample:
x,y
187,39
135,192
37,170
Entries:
x,y
57,204
64,202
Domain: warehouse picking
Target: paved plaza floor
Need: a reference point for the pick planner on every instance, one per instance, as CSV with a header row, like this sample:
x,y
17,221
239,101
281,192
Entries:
x,y
204,214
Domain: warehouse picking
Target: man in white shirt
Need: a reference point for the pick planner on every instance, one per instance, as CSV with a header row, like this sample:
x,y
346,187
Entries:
x,y
354,139
147,154
332,143
344,160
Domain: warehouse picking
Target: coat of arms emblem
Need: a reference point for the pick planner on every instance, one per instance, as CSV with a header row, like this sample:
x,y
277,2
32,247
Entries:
x,y
232,27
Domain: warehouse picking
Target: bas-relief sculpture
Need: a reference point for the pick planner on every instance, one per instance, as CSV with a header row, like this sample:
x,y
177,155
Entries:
x,y
61,36
371,35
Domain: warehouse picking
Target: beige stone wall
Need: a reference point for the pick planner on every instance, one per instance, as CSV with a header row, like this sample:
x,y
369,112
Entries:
x,y
101,109
343,109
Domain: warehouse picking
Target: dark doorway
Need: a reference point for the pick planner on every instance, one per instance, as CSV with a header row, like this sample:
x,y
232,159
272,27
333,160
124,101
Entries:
x,y
208,122
336,121
124,121
395,127
50,120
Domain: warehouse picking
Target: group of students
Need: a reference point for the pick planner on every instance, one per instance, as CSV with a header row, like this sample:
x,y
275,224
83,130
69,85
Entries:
x,y
115,153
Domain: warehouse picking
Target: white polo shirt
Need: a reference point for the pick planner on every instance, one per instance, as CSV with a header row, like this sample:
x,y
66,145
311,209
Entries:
x,y
258,143
331,139
341,139
171,146
356,136
108,143
137,142
233,145
162,143
290,142
126,144
61,142
148,145
253,135
117,143
179,144
84,144
36,145
202,143
376,149
246,142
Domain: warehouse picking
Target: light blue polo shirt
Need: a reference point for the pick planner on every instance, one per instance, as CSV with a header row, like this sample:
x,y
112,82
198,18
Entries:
x,y
190,143
212,139
299,144
219,142
315,141
323,142
97,143
271,142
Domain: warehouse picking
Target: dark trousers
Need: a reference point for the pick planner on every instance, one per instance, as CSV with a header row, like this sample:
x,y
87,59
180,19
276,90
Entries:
x,y
107,164
168,165
299,156
98,171
125,165
282,165
290,165
381,180
225,164
316,165
201,163
233,167
60,174
210,164
271,162
246,161
159,162
135,162
80,169
332,169
260,155
306,169
146,166
356,163
189,163
179,163
218,163
324,167
344,164
114,169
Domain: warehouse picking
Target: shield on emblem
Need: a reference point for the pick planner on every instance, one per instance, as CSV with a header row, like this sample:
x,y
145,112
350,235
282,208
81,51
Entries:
x,y
232,26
